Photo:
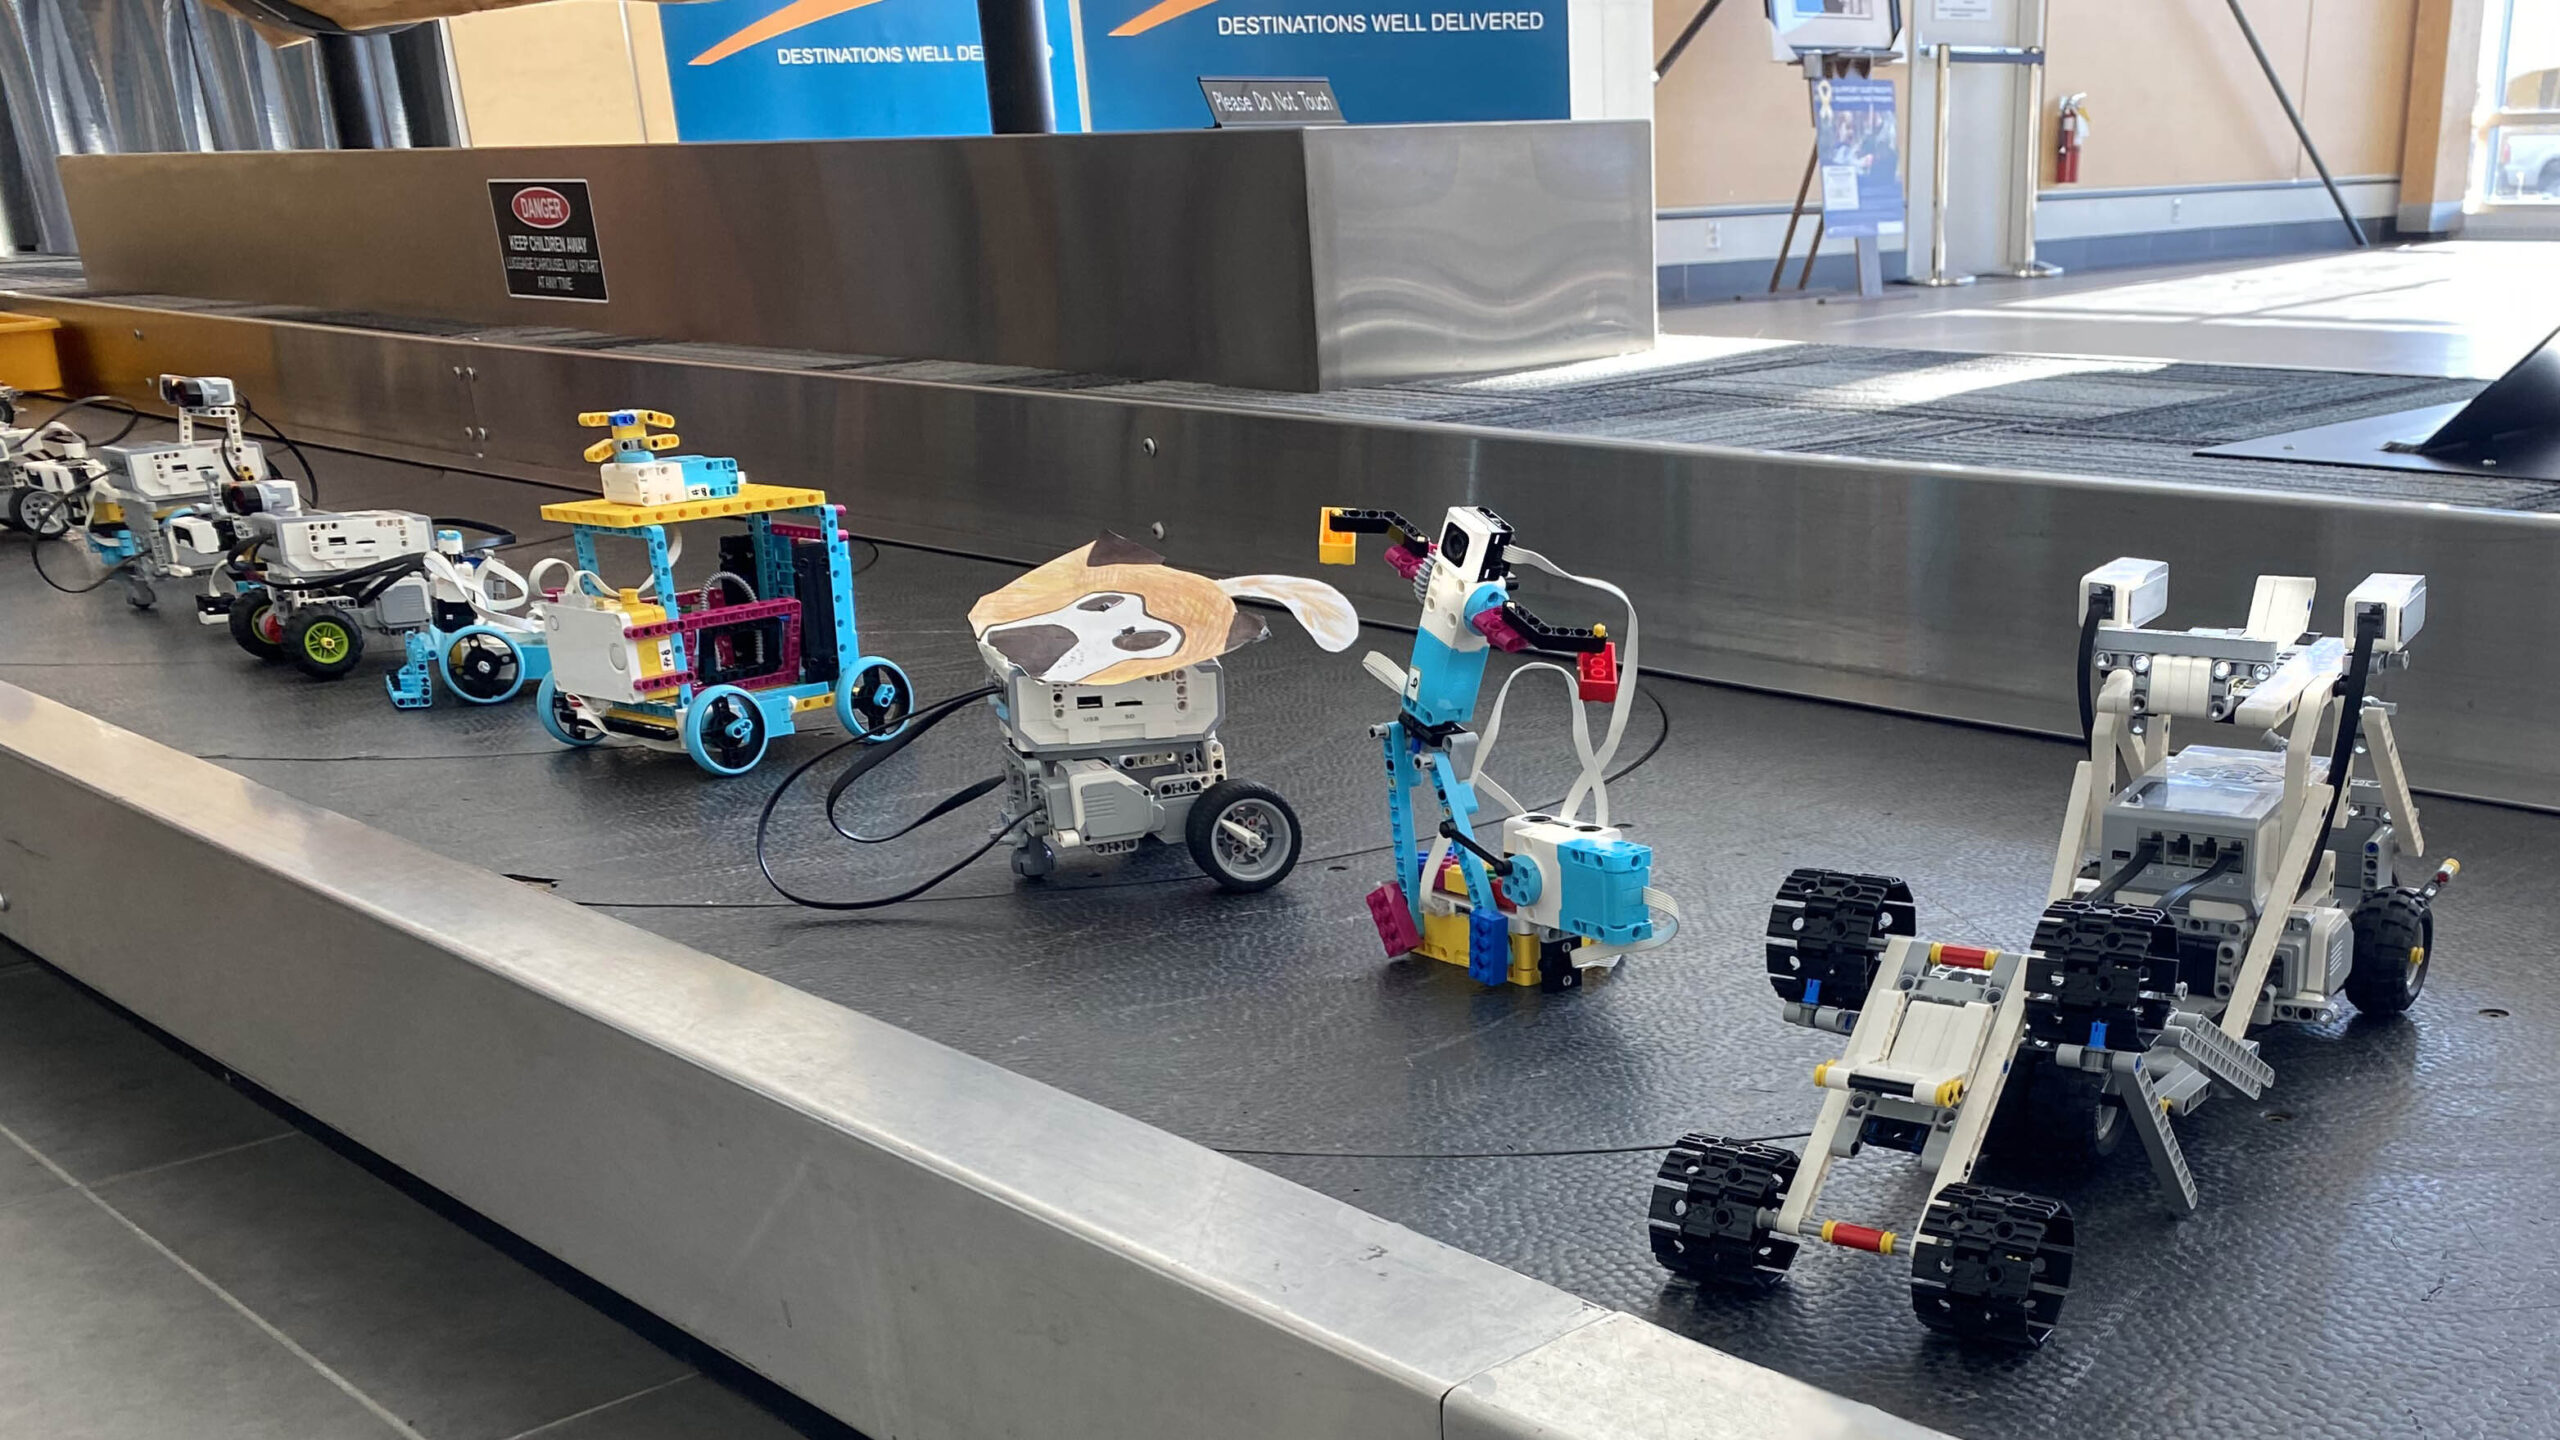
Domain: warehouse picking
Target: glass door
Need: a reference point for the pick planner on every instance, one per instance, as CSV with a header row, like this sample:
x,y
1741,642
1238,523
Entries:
x,y
2515,153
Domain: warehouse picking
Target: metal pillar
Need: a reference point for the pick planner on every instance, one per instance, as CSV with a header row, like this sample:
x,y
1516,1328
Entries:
x,y
2031,152
424,74
1015,38
356,100
1944,58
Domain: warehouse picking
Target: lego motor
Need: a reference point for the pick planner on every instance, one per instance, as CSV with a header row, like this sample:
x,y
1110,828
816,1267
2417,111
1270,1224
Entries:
x,y
2198,892
1105,682
1556,895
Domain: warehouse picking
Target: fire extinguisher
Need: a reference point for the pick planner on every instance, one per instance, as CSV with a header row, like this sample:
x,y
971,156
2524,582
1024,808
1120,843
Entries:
x,y
2074,133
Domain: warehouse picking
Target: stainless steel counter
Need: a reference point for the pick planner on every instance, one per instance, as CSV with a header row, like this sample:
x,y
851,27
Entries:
x,y
1288,260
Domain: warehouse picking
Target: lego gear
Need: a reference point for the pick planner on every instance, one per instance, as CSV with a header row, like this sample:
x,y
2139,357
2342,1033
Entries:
x,y
2395,933
1992,1264
1827,933
1707,1202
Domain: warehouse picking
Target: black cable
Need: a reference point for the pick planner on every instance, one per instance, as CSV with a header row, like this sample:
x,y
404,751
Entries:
x,y
310,477
36,556
112,404
916,725
2088,664
2143,855
2228,862
949,803
2342,759
1661,738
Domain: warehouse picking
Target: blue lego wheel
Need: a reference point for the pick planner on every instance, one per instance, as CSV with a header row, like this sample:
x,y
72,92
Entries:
x,y
874,699
724,730
561,720
482,664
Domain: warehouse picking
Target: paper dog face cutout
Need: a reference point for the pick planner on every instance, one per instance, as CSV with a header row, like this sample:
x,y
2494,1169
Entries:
x,y
1113,611
1085,637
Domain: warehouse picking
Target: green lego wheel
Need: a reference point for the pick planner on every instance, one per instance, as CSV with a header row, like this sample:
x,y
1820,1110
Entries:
x,y
324,643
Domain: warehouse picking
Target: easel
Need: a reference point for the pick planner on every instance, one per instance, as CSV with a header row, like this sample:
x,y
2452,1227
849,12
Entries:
x,y
1821,65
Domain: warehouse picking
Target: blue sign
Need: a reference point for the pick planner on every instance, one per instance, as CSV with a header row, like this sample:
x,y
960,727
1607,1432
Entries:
x,y
1492,60
1861,155
829,69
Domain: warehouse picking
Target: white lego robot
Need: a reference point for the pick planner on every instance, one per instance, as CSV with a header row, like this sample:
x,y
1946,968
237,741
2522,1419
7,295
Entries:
x,y
1104,675
147,487
46,472
306,585
2197,892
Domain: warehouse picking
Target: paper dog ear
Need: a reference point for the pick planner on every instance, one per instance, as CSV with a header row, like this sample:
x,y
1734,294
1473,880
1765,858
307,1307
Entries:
x,y
1323,610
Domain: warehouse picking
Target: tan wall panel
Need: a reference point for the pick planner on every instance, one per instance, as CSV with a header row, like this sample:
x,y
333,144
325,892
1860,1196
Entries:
x,y
2356,98
2174,96
555,74
1731,125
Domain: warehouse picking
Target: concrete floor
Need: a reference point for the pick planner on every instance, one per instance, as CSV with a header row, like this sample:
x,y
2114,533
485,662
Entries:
x,y
179,1259
2457,309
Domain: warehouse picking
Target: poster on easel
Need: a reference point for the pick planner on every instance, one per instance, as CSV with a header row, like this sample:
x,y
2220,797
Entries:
x,y
1860,159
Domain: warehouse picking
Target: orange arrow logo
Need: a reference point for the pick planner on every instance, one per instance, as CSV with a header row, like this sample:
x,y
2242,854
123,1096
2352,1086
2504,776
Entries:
x,y
1157,14
782,22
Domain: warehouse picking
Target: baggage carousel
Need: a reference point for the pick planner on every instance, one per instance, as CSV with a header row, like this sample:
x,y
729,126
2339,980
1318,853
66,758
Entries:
x,y
2366,1259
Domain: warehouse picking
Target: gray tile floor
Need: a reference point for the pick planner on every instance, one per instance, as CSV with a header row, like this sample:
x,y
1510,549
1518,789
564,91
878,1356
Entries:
x,y
177,1260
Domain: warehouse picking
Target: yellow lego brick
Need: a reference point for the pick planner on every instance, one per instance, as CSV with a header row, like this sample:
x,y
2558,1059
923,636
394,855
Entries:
x,y
1444,938
750,500
1334,547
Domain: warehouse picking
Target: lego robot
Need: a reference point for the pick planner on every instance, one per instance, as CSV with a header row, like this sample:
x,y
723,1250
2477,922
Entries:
x,y
1556,895
2197,892
307,585
719,670
485,634
146,488
1104,665
46,473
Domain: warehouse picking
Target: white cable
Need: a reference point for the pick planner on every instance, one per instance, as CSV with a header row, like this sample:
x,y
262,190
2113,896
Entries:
x,y
1594,780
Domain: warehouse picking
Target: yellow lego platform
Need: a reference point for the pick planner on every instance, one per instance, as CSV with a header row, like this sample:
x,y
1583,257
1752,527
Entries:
x,y
1444,937
751,499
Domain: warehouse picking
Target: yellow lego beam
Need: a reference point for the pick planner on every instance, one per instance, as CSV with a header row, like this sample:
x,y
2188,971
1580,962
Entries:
x,y
750,500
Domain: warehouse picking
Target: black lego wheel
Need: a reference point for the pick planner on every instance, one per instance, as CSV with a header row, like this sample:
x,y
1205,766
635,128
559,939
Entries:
x,y
255,626
1828,931
1705,1217
1243,835
323,643
1992,1266
2395,942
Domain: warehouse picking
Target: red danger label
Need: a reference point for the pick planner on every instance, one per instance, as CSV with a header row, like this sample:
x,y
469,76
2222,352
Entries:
x,y
541,207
